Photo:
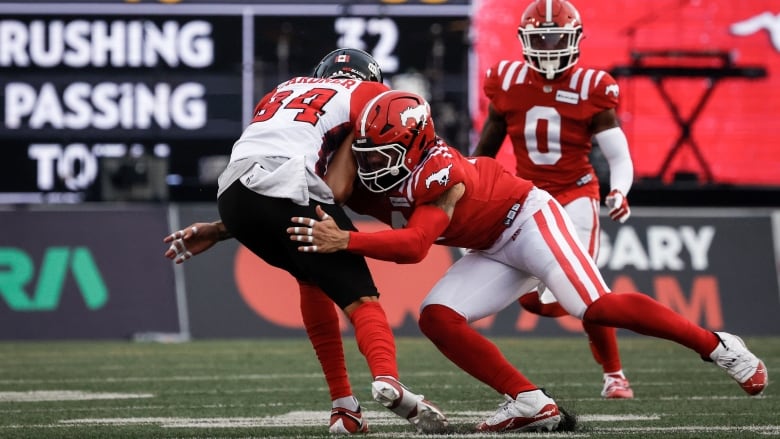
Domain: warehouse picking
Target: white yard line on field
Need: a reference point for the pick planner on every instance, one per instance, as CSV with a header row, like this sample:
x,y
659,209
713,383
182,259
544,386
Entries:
x,y
762,429
175,378
304,418
65,395
296,419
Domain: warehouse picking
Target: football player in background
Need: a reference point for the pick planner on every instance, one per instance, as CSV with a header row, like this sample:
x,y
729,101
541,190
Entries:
x,y
277,170
551,109
518,235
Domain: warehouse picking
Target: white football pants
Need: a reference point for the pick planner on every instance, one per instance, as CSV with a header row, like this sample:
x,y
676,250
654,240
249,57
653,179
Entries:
x,y
541,245
584,213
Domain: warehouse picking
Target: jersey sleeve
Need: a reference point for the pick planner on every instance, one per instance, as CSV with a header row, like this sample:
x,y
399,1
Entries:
x,y
606,93
492,83
404,246
438,173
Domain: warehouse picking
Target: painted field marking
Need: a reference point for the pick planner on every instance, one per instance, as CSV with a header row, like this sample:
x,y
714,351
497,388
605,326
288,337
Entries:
x,y
65,395
761,429
304,418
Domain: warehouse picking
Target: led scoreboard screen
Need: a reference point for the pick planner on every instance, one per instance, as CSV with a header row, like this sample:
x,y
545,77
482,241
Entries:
x,y
143,85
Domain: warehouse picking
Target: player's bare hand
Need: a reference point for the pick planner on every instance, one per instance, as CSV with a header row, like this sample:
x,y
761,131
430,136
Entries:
x,y
191,240
318,236
618,206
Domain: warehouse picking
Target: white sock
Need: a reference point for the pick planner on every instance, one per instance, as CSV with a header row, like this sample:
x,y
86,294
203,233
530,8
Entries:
x,y
347,402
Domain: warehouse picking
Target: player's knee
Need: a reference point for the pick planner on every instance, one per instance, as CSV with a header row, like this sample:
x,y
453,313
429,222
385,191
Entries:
x,y
436,319
531,302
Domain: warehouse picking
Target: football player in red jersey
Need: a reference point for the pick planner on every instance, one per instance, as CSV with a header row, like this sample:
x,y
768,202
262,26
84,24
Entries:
x,y
277,169
517,235
551,109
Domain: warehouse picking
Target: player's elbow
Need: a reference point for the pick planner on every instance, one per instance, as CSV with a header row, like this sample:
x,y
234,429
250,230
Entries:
x,y
414,251
413,255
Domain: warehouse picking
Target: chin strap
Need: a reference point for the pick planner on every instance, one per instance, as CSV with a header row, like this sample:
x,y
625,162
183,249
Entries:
x,y
549,68
550,72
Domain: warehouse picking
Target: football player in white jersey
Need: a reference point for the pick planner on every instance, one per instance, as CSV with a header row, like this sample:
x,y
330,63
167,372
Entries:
x,y
551,108
277,169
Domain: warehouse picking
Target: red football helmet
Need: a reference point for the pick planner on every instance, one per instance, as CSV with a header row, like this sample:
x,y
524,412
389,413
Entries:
x,y
392,135
550,31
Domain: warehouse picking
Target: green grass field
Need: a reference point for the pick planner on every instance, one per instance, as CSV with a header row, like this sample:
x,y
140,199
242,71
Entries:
x,y
274,388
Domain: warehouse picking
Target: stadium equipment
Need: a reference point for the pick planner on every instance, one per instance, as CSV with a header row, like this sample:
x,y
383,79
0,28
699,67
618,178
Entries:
x,y
732,355
529,411
426,417
345,421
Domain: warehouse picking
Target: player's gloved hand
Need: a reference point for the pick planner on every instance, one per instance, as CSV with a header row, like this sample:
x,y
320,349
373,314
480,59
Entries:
x,y
618,206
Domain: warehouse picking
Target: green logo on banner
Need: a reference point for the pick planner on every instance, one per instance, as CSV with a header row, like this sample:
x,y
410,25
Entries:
x,y
17,274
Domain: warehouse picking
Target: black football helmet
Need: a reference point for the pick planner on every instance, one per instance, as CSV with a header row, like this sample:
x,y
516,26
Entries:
x,y
348,63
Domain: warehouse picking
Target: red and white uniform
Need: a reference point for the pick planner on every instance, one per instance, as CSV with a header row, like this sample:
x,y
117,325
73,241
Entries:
x,y
296,128
490,193
549,123
517,235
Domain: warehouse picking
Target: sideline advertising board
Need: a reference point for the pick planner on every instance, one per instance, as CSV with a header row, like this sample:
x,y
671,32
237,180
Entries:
x,y
716,267
87,273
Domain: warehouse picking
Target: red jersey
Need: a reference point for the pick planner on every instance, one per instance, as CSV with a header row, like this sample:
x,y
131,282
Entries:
x,y
492,199
548,122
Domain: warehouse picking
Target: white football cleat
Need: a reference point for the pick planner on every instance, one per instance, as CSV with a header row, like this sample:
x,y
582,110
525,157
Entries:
x,y
529,411
732,354
426,417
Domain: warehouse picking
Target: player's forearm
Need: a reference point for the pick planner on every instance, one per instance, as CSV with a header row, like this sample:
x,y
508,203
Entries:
x,y
404,246
342,171
614,146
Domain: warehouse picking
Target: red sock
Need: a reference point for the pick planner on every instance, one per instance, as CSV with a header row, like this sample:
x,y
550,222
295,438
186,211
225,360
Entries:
x,y
603,344
471,351
321,319
531,302
375,339
644,315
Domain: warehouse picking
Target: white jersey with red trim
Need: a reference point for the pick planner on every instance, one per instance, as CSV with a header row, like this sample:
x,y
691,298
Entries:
x,y
549,121
294,133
